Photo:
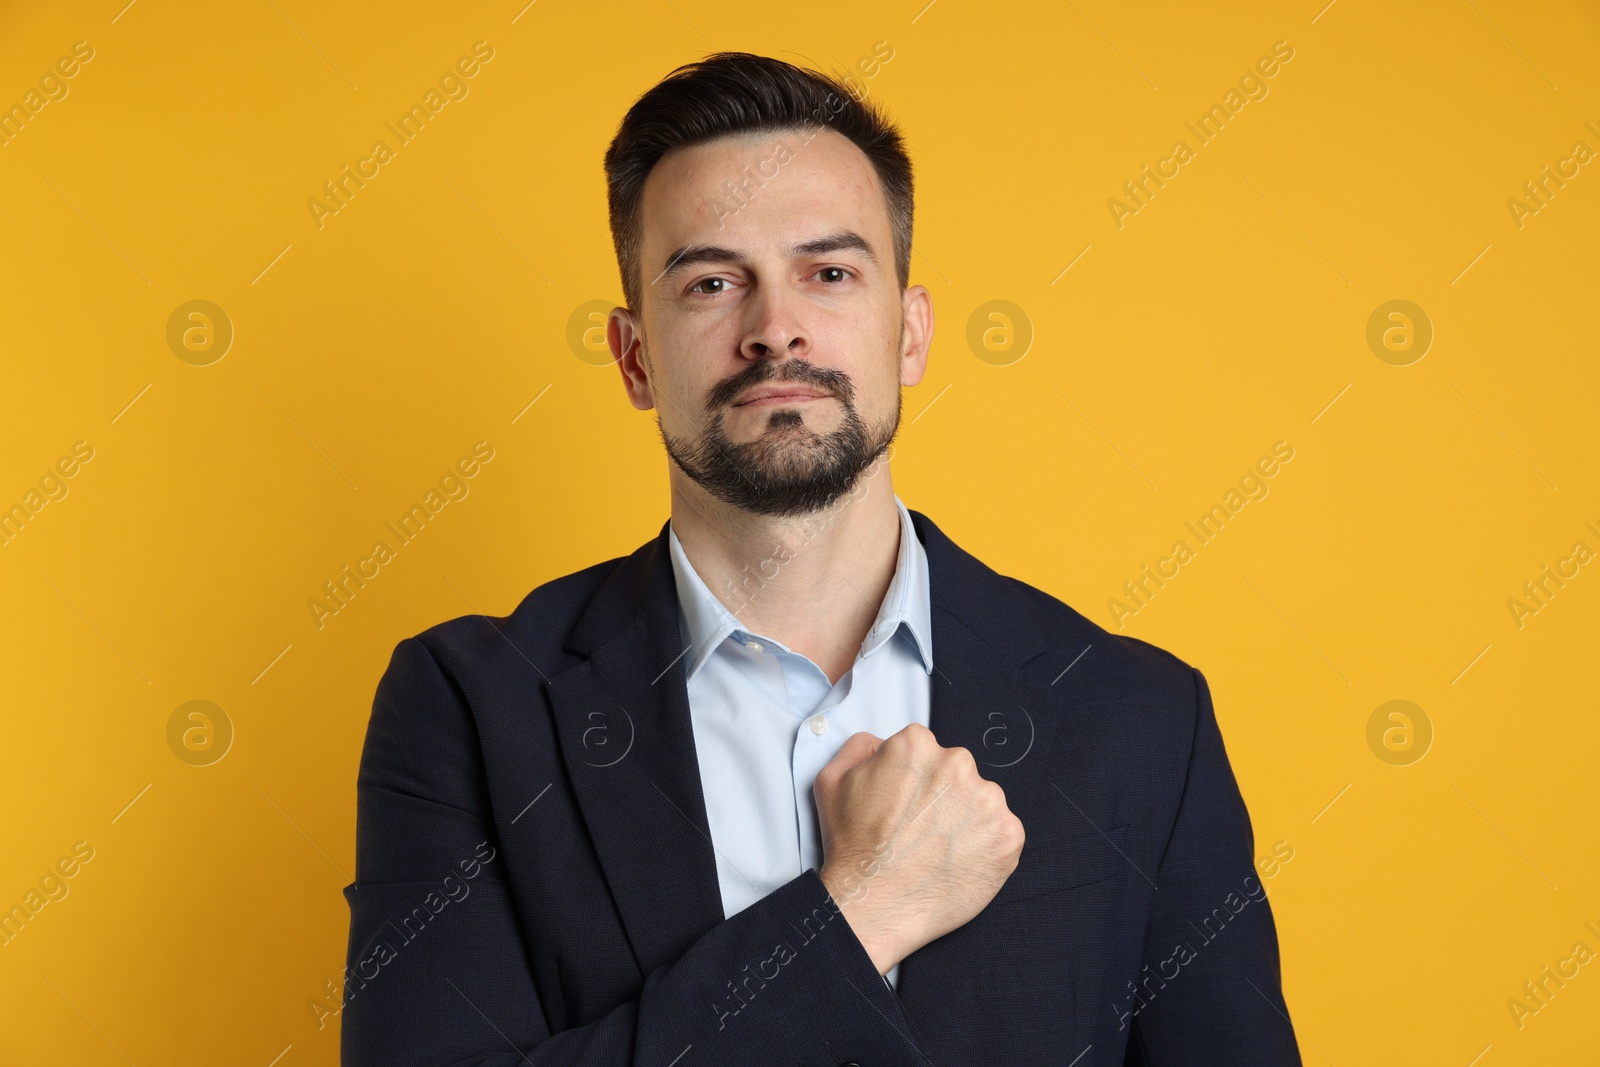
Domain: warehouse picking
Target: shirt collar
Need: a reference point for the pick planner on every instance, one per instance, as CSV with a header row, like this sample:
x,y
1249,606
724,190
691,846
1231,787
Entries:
x,y
706,622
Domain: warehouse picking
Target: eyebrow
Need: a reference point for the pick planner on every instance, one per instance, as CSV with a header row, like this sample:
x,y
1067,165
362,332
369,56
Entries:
x,y
690,255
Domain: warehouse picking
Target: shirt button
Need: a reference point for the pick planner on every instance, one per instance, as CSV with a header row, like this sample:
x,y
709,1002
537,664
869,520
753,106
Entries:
x,y
819,724
754,646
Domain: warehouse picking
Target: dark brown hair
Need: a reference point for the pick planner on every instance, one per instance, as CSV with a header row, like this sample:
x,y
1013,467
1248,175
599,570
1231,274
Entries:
x,y
736,93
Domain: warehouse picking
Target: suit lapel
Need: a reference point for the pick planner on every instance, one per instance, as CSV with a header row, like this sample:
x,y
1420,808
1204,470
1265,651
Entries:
x,y
980,698
628,744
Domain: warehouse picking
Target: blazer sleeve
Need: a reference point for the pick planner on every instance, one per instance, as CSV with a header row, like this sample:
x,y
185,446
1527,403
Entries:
x,y
1210,991
446,978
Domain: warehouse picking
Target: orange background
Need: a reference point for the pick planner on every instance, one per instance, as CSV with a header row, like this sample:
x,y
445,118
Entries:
x,y
449,294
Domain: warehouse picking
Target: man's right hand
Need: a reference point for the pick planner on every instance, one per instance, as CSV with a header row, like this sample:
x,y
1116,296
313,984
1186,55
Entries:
x,y
915,841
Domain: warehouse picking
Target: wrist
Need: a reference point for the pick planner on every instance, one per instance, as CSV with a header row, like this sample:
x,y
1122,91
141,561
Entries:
x,y
867,928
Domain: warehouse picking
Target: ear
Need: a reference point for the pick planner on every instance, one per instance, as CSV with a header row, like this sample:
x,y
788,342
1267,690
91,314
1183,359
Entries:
x,y
626,341
917,307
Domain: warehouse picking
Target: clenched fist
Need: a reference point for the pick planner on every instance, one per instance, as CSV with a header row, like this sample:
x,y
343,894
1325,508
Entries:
x,y
915,842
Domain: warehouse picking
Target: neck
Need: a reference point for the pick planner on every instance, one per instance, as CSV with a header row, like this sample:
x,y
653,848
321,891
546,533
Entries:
x,y
814,582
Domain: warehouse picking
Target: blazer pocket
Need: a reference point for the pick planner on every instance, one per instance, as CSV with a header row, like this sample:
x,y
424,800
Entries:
x,y
1066,861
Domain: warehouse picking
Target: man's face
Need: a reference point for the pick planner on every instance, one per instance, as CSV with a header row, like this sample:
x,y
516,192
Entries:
x,y
773,337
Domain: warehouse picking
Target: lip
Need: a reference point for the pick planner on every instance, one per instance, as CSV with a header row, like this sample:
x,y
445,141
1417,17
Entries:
x,y
767,397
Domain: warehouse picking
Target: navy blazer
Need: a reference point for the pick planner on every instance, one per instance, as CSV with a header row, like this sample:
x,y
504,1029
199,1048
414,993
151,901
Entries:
x,y
535,881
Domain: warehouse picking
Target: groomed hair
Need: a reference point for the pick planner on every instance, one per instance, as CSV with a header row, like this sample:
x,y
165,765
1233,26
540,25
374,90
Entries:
x,y
737,93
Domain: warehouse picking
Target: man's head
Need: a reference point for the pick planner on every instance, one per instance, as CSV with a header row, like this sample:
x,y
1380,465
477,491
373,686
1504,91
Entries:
x,y
762,221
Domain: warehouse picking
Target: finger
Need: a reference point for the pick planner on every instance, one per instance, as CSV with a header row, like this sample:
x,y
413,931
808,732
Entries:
x,y
858,748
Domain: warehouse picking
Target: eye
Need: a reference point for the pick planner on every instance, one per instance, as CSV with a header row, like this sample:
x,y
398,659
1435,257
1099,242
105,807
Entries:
x,y
695,288
835,270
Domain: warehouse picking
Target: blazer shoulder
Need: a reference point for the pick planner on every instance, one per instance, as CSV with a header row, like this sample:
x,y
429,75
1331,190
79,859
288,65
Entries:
x,y
536,629
1151,669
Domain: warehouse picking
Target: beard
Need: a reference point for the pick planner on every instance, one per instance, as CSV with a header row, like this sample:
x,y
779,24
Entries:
x,y
788,469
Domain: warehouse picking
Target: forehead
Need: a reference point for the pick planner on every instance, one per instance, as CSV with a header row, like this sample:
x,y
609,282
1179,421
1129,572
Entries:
x,y
760,192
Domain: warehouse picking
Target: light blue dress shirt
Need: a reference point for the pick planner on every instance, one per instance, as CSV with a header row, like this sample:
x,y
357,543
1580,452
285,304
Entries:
x,y
766,719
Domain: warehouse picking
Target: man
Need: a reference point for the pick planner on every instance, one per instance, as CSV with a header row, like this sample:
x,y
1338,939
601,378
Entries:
x,y
800,780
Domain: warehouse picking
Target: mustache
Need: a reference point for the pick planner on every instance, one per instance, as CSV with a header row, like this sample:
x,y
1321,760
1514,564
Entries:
x,y
790,370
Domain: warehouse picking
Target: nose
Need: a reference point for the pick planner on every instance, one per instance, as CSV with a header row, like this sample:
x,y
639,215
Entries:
x,y
774,330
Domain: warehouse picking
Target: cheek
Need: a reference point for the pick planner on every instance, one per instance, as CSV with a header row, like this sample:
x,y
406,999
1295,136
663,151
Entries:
x,y
884,357
683,373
